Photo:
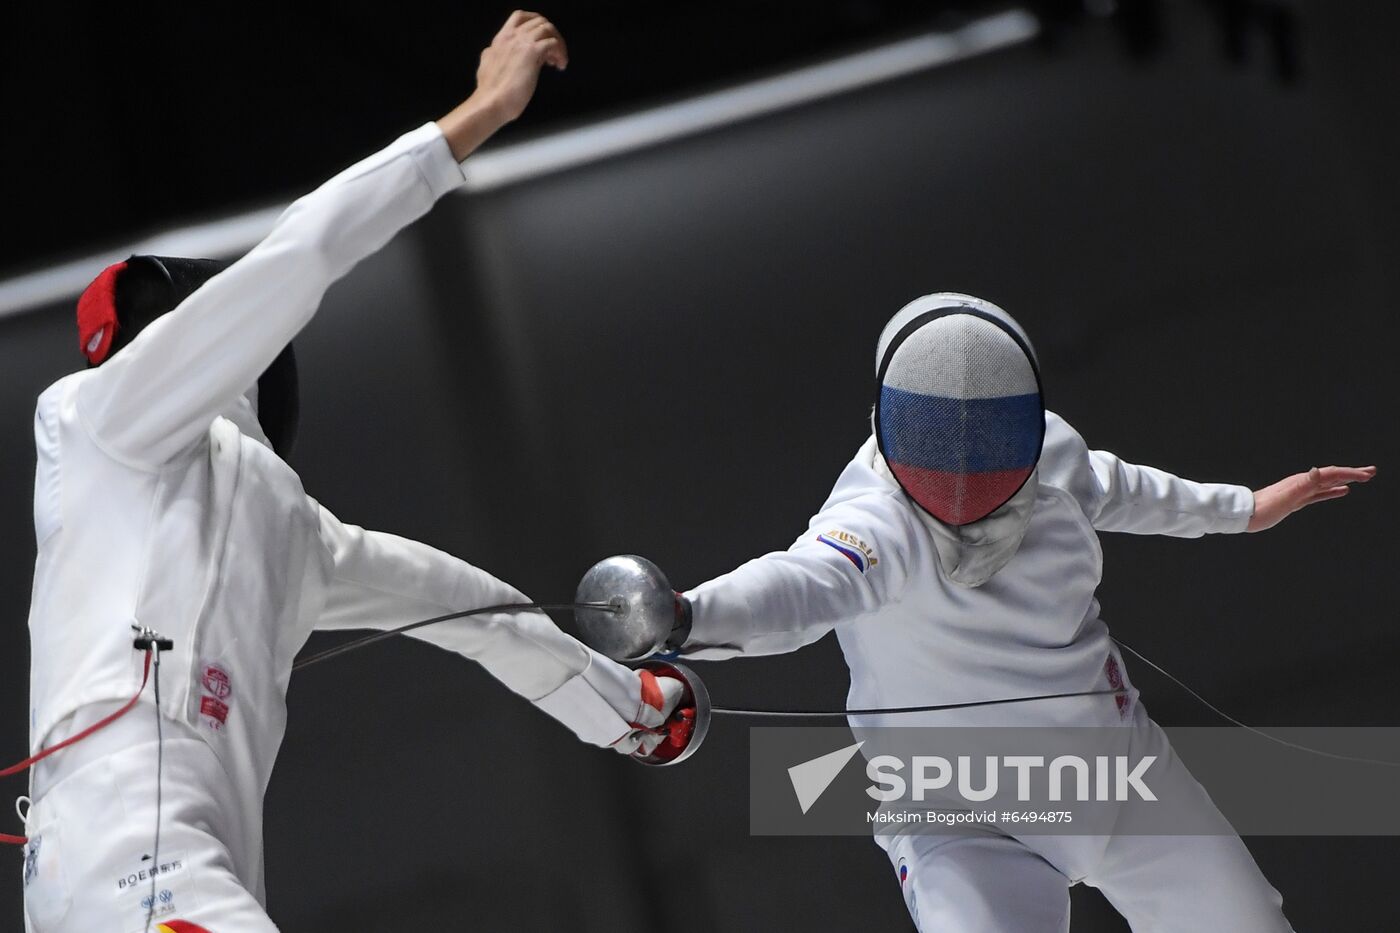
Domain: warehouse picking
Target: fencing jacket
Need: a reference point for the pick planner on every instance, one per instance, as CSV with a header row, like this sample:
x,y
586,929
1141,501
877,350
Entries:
x,y
158,502
868,567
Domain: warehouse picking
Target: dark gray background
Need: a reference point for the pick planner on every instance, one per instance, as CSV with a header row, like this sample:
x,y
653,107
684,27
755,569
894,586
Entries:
x,y
671,353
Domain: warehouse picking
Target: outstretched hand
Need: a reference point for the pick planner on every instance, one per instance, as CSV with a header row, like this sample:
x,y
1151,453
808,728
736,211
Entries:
x,y
1273,504
505,80
510,65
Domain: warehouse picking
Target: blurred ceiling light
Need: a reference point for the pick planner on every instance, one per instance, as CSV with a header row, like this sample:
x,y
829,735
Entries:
x,y
560,151
496,168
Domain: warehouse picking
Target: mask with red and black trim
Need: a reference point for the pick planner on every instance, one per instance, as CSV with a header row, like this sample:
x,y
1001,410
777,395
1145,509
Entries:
x,y
127,296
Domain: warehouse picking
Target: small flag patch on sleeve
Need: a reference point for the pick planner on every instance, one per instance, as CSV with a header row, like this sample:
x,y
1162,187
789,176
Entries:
x,y
851,547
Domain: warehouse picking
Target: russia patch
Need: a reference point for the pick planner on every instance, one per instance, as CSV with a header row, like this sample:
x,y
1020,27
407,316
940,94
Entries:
x,y
850,547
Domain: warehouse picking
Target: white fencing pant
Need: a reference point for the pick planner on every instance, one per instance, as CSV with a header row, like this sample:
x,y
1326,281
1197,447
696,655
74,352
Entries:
x,y
979,884
992,882
88,865
1160,884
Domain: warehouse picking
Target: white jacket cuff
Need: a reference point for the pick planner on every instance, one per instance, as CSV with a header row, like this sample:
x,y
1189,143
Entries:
x,y
433,156
1237,508
719,619
589,703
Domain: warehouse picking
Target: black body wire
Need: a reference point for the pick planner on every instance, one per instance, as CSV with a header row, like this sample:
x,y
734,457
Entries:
x,y
160,767
935,708
358,643
367,640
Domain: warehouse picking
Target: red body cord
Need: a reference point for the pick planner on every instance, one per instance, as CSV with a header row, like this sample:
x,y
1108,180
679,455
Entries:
x,y
103,723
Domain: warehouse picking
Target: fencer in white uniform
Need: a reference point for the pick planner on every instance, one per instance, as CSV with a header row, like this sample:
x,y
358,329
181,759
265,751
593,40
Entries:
x,y
943,610
159,503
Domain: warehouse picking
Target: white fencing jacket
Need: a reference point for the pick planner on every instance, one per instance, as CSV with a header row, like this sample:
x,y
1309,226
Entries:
x,y
158,502
867,566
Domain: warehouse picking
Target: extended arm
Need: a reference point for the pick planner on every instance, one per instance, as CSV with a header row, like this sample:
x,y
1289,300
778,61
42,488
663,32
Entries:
x,y
152,399
383,581
849,563
1145,500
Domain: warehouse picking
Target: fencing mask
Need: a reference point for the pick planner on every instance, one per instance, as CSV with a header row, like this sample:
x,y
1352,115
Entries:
x,y
128,295
960,420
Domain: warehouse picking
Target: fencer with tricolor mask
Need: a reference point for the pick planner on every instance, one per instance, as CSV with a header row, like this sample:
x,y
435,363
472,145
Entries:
x,y
957,559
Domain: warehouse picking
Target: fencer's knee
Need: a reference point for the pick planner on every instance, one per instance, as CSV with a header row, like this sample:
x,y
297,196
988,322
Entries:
x,y
1183,884
979,884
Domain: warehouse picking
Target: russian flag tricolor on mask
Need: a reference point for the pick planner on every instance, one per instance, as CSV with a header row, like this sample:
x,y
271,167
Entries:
x,y
960,418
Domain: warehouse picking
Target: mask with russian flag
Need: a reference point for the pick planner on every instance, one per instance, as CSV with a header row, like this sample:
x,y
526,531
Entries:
x,y
960,420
